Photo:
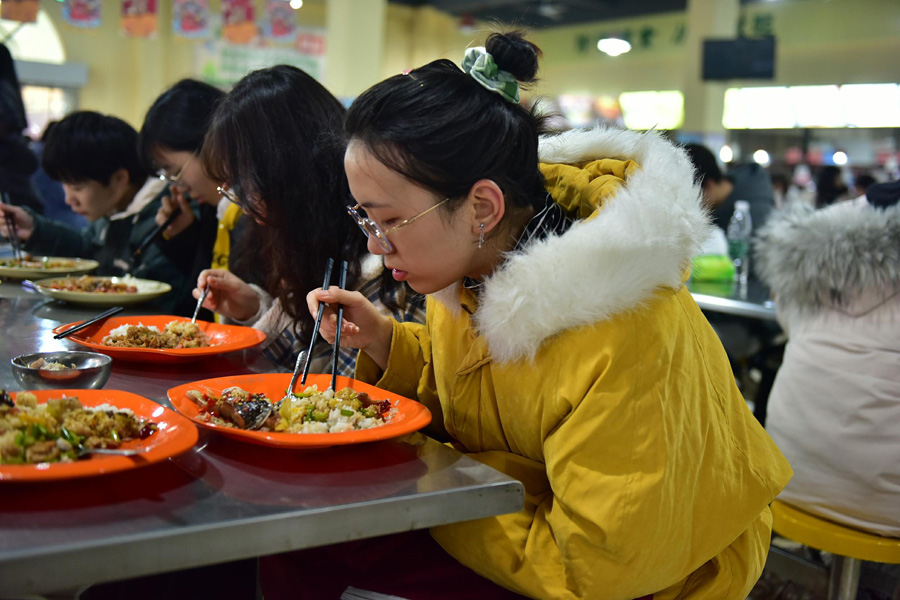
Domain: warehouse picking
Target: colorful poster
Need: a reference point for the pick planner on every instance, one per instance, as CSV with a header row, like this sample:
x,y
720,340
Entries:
x,y
139,18
19,10
310,43
280,24
81,13
190,18
238,21
223,64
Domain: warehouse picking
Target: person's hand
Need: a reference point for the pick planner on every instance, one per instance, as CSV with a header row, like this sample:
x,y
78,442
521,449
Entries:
x,y
229,295
362,326
24,221
175,199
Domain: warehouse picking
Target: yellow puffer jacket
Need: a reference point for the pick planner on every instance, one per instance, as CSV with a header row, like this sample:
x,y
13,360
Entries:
x,y
585,370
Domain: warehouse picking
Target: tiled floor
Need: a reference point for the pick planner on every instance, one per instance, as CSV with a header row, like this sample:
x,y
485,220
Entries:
x,y
877,581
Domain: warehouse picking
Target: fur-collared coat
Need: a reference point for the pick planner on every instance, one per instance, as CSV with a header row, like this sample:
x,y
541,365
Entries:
x,y
834,409
585,370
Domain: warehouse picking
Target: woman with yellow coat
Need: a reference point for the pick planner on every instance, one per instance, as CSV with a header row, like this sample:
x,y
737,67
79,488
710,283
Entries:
x,y
561,346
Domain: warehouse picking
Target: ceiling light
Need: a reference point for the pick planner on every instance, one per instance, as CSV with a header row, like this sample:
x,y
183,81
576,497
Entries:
x,y
296,4
761,157
840,158
613,46
726,154
549,10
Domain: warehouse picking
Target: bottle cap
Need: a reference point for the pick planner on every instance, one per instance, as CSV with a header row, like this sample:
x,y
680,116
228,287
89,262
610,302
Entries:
x,y
741,205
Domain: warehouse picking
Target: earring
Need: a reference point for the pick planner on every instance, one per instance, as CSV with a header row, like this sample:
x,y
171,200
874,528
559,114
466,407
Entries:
x,y
481,235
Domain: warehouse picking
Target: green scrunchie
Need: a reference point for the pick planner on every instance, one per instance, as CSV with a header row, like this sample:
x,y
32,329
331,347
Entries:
x,y
481,66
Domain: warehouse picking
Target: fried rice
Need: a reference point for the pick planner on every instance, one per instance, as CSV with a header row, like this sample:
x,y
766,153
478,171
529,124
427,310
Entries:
x,y
176,334
54,431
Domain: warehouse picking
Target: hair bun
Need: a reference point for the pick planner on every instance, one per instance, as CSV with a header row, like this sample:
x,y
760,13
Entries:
x,y
513,53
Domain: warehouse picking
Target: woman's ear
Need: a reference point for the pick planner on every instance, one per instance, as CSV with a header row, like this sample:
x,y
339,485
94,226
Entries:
x,y
488,204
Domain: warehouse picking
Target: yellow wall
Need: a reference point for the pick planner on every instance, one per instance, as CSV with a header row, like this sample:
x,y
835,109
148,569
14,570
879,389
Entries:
x,y
835,41
838,41
125,75
416,36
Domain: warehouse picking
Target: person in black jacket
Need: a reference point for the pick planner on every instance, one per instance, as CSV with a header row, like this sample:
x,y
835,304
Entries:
x,y
95,157
17,161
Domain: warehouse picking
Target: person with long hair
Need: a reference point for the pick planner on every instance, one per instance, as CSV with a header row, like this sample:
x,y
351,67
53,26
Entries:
x,y
208,231
276,144
561,347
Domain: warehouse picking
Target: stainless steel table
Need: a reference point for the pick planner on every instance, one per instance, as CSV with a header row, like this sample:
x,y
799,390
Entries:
x,y
753,302
223,500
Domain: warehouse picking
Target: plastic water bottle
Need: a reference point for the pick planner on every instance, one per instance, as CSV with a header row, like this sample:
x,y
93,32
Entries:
x,y
740,229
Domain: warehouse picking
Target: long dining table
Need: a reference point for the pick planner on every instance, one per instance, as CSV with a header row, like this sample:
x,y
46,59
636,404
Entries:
x,y
752,301
222,500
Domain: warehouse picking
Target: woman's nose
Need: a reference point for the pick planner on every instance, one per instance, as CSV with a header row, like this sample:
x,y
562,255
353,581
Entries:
x,y
374,246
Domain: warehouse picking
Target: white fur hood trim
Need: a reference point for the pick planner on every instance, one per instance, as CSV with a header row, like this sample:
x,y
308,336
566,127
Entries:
x,y
845,257
643,238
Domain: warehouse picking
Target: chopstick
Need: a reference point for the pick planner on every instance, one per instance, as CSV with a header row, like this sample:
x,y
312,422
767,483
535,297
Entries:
x,y
342,282
315,332
200,302
105,314
12,229
156,232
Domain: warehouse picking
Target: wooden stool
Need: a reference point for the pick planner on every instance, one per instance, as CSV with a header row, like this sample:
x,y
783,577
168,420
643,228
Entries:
x,y
848,546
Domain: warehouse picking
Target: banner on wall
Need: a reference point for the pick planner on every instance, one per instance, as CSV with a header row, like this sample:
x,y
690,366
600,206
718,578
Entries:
x,y
238,21
139,18
81,13
224,64
280,24
190,18
24,11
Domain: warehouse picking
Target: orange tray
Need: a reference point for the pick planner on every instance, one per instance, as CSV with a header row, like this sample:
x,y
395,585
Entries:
x,y
223,338
174,435
410,415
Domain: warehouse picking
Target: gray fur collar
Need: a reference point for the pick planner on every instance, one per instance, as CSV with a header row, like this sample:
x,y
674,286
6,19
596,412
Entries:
x,y
642,239
844,256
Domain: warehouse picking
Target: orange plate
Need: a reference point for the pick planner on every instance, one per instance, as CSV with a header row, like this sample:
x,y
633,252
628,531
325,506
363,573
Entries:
x,y
410,416
174,436
224,338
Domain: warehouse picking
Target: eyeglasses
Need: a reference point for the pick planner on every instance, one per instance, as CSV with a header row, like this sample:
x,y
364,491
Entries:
x,y
372,229
174,178
228,193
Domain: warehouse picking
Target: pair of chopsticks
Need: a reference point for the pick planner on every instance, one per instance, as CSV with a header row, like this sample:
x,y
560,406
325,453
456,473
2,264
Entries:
x,y
342,283
156,233
105,314
12,230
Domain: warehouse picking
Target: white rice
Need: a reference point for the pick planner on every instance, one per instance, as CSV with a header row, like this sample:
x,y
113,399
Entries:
x,y
123,329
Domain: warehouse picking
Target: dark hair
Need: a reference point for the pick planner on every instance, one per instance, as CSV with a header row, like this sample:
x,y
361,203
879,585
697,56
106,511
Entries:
x,y
706,168
47,129
863,181
828,187
86,146
439,127
178,119
276,140
12,109
779,179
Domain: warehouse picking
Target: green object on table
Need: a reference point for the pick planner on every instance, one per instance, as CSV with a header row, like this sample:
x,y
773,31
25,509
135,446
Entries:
x,y
712,267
